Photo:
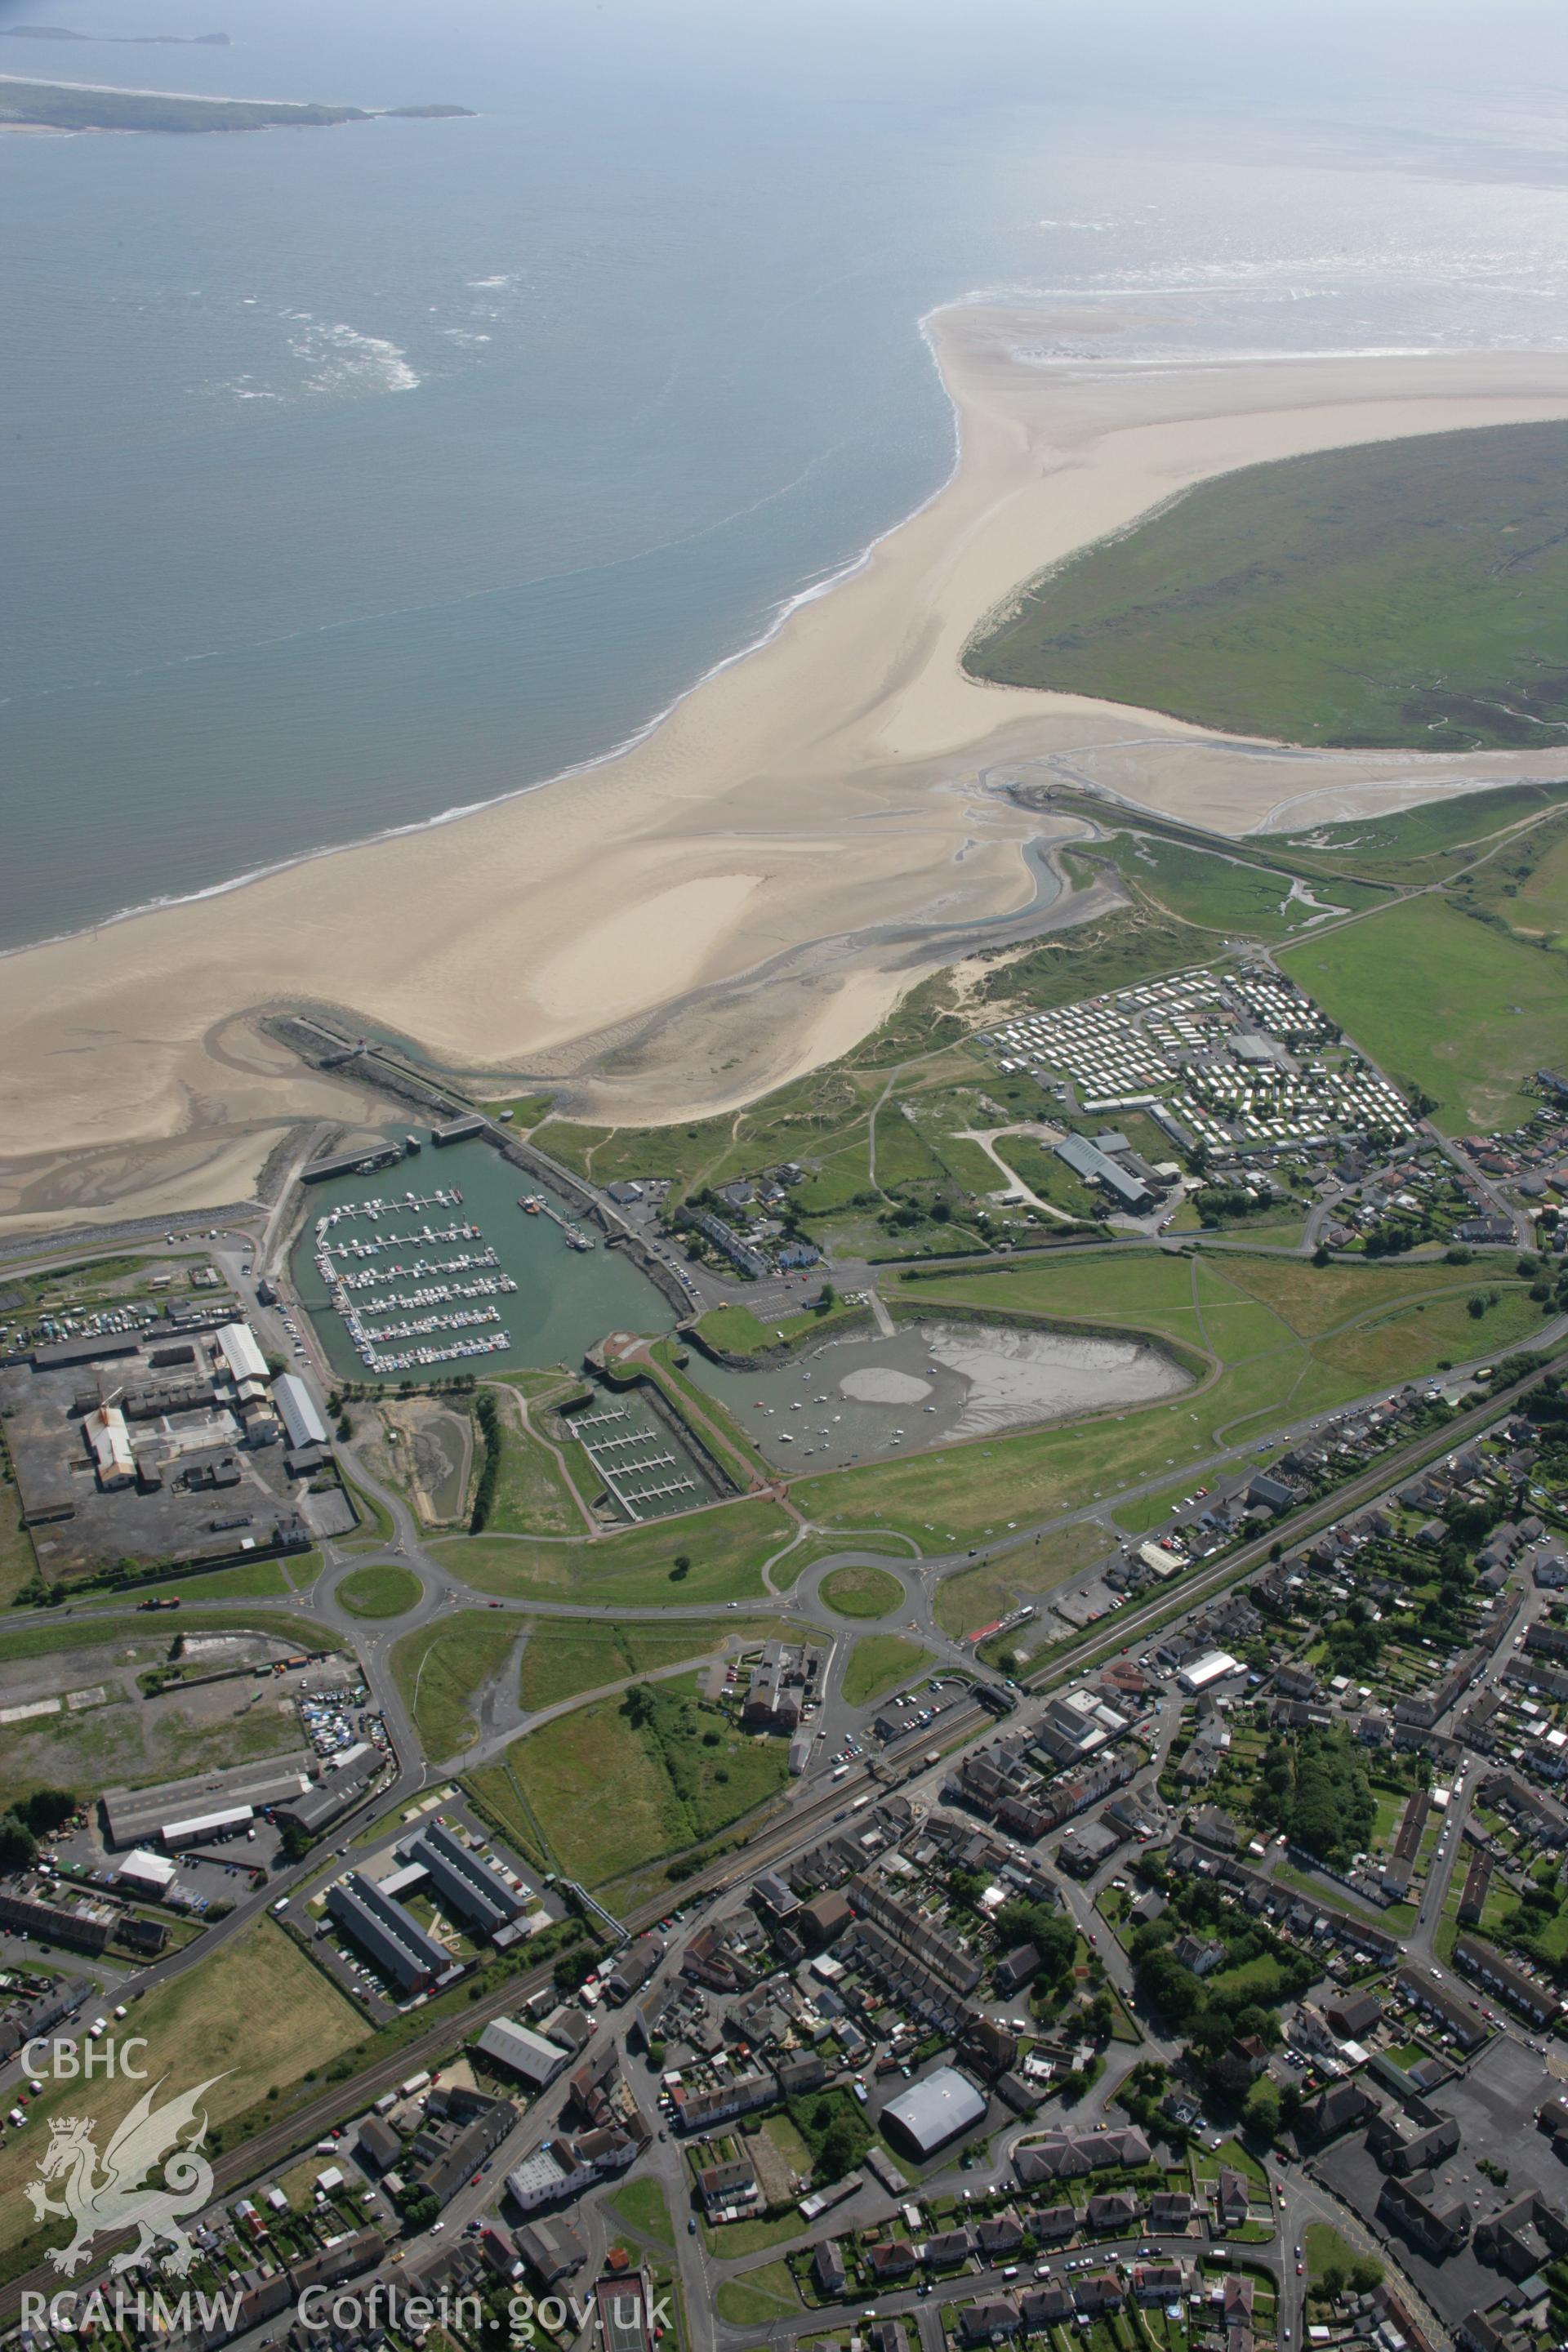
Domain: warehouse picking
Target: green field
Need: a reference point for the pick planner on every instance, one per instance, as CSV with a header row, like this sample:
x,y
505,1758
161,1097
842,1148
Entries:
x,y
1406,593
640,2205
384,1592
736,1331
532,1497
257,2014
758,2299
860,1592
1326,2250
1422,845
978,1596
879,1663
564,1656
1444,1003
671,1787
1539,903
248,1580
726,1548
19,1562
100,1747
440,1670
1049,1179
146,1640
1223,891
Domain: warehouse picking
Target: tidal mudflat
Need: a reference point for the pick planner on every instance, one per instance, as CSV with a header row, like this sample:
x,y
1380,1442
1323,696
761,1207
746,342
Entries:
x,y
860,1398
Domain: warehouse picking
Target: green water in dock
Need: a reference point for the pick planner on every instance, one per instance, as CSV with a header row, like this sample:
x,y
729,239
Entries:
x,y
565,1299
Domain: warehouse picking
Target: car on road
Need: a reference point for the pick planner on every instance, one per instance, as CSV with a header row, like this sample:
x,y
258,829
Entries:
x,y
691,2227
1300,2268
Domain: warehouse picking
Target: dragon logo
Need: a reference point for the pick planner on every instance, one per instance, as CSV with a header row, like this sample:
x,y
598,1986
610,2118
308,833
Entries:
x,y
107,2192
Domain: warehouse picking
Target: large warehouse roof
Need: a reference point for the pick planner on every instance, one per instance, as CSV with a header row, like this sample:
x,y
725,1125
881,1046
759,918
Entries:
x,y
301,1419
1211,1667
136,1816
241,1353
935,2110
528,2053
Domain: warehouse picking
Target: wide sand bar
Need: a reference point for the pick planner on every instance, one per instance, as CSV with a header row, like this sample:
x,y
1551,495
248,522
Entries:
x,y
744,893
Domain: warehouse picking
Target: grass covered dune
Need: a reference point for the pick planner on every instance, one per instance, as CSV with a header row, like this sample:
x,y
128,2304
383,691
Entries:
x,y
1408,593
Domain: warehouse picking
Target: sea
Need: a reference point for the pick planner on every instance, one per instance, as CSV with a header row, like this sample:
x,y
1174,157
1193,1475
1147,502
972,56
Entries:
x,y
354,478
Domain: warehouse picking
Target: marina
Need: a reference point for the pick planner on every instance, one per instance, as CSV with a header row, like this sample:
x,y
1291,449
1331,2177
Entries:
x,y
444,1336
385,1276
534,1204
645,1472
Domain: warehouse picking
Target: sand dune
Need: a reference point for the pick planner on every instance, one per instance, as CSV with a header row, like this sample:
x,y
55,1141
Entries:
x,y
745,892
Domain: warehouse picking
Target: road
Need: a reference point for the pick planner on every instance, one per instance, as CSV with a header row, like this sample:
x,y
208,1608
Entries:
x,y
810,1806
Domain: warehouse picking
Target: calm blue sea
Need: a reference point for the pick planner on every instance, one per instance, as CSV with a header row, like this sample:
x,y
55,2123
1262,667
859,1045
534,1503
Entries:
x,y
349,477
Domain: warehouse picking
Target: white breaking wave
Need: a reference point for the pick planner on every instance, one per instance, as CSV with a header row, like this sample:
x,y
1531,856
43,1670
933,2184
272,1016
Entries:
x,y
341,360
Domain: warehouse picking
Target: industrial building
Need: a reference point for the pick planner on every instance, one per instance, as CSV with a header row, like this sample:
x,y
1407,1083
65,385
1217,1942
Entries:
x,y
207,1828
137,1817
109,1441
145,1873
302,1424
933,2111
242,1354
522,2051
1086,1159
471,1887
344,1782
383,1928
1211,1668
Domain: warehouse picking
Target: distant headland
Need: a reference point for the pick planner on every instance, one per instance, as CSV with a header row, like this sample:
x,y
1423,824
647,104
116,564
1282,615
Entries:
x,y
84,106
121,40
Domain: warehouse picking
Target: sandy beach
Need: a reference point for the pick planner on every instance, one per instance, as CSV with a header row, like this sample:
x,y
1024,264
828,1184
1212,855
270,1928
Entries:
x,y
745,892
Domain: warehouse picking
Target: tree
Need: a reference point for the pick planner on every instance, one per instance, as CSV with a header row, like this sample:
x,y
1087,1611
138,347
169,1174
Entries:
x,y
48,1810
18,1846
418,2208
570,1970
1366,2275
840,2146
1260,2113
639,1707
